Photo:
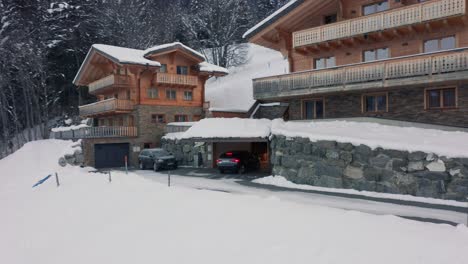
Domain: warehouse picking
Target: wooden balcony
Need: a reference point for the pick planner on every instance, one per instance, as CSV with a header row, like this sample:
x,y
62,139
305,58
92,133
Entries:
x,y
109,106
176,79
391,19
97,132
403,71
119,81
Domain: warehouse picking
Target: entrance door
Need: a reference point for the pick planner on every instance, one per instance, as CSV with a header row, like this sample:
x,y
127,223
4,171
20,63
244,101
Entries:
x,y
111,155
313,109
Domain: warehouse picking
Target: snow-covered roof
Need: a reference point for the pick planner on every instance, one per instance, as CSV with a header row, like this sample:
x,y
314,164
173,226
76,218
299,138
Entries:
x,y
272,18
125,55
211,68
226,128
171,46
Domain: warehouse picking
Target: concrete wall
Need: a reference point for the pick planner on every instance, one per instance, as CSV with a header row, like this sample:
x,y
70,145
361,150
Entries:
x,y
342,165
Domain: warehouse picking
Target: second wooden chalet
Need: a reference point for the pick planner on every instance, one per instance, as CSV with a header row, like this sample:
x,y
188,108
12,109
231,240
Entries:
x,y
139,92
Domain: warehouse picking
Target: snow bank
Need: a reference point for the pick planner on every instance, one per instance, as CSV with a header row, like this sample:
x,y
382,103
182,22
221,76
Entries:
x,y
235,91
442,143
132,220
229,128
283,182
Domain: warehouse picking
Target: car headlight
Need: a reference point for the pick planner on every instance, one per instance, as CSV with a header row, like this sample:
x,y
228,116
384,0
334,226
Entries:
x,y
160,160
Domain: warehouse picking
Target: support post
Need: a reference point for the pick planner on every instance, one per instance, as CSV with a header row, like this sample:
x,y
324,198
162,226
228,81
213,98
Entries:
x,y
57,179
126,165
110,176
169,178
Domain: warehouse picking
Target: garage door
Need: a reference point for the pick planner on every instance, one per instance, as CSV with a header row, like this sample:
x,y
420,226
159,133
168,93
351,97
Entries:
x,y
110,155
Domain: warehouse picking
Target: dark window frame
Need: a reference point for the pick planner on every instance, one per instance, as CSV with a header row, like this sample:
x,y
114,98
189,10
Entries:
x,y
191,95
180,72
176,117
376,50
326,60
155,119
169,94
314,100
376,106
441,98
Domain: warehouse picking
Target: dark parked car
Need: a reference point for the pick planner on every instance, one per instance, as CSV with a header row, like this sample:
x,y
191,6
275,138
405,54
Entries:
x,y
237,161
156,159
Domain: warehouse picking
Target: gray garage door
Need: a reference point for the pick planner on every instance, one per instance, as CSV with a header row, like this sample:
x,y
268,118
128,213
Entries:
x,y
111,155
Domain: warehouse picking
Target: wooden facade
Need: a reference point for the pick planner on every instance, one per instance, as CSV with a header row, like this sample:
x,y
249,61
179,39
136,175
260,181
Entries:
x,y
339,47
138,92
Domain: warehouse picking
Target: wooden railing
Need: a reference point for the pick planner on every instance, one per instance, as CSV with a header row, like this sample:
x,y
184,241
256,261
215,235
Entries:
x,y
111,80
96,132
404,16
396,68
109,105
177,79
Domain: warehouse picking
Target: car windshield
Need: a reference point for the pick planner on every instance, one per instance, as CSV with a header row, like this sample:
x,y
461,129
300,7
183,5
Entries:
x,y
160,153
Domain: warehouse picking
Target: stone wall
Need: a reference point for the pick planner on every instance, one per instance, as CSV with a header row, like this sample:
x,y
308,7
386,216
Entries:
x,y
186,151
343,165
405,104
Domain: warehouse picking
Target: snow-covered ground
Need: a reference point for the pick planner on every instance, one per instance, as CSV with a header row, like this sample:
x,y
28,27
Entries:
x,y
136,220
234,92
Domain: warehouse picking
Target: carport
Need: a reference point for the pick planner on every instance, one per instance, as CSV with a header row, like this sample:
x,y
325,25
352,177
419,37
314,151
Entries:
x,y
218,146
219,135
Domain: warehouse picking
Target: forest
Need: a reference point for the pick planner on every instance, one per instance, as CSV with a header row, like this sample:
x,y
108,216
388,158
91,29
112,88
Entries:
x,y
42,45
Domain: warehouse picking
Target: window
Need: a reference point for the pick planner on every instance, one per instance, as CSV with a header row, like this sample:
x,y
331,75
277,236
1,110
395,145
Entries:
x,y
158,119
163,68
188,95
330,19
439,44
376,54
153,93
313,109
128,95
441,98
171,94
180,118
323,63
110,122
373,103
375,8
120,121
183,70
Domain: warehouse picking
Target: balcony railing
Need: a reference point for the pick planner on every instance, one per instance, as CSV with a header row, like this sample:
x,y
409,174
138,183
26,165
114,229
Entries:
x,y
177,79
428,66
97,132
106,106
111,80
395,18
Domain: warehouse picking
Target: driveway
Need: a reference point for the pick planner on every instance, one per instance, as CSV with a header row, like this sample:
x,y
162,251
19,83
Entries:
x,y
212,180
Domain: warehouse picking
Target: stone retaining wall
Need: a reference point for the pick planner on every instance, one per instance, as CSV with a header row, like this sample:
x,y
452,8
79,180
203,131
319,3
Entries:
x,y
186,151
343,165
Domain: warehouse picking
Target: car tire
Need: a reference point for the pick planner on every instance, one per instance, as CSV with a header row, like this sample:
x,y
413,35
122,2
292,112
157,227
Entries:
x,y
155,167
141,165
221,171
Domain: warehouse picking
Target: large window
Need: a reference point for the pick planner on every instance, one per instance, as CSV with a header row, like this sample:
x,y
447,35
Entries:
x,y
323,63
375,8
153,93
171,94
313,109
188,95
330,19
373,103
441,98
181,118
439,44
376,54
158,119
183,70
